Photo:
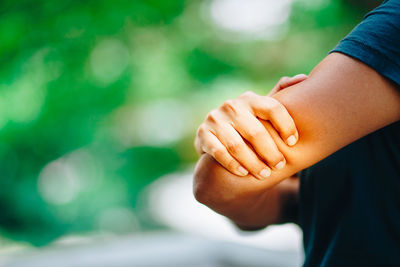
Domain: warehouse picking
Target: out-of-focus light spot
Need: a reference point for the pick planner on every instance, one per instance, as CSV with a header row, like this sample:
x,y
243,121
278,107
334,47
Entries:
x,y
254,17
158,123
87,168
62,180
25,101
108,61
118,220
158,71
162,122
58,183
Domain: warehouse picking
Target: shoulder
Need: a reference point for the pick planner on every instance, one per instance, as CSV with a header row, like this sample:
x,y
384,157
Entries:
x,y
376,40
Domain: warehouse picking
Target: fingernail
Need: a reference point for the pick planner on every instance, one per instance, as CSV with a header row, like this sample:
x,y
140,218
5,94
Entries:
x,y
300,75
291,141
280,165
243,171
265,173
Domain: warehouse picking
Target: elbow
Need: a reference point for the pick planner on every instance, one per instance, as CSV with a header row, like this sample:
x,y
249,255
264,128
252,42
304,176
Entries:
x,y
199,191
210,184
201,186
226,193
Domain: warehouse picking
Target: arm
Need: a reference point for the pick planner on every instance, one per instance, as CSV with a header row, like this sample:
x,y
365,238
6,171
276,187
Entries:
x,y
341,101
248,210
227,129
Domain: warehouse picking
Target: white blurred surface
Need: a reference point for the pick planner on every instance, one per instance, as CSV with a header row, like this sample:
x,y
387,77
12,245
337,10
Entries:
x,y
151,250
172,203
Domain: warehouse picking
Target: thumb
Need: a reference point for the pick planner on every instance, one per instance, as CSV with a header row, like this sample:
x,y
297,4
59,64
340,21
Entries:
x,y
286,82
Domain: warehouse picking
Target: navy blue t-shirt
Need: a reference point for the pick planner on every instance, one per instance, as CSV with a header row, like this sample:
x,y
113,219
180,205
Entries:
x,y
349,207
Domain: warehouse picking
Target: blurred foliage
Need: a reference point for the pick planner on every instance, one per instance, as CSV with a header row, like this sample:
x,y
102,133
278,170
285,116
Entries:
x,y
100,98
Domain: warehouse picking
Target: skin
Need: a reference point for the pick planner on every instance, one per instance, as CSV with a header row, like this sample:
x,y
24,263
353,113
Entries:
x,y
234,136
341,101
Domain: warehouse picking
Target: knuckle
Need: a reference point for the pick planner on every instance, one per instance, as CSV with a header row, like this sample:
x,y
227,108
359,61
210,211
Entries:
x,y
274,107
197,146
217,153
212,116
284,79
234,147
254,134
228,103
201,131
230,106
248,94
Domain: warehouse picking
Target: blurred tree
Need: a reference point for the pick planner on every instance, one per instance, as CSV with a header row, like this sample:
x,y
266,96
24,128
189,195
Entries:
x,y
74,75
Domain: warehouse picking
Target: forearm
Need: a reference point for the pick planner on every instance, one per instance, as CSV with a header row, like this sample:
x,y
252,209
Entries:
x,y
247,204
341,101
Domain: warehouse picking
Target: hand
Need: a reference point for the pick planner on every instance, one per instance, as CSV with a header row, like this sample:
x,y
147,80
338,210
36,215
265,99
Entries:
x,y
231,132
249,203
286,82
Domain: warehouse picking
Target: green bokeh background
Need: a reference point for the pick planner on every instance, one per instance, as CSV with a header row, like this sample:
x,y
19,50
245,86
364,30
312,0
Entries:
x,y
110,94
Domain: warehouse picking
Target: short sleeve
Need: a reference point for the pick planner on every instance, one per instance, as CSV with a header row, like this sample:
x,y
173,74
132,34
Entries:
x,y
376,40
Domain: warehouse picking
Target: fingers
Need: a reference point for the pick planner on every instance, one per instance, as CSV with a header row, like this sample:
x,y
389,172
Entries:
x,y
237,147
252,130
214,148
234,136
289,81
268,108
285,82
